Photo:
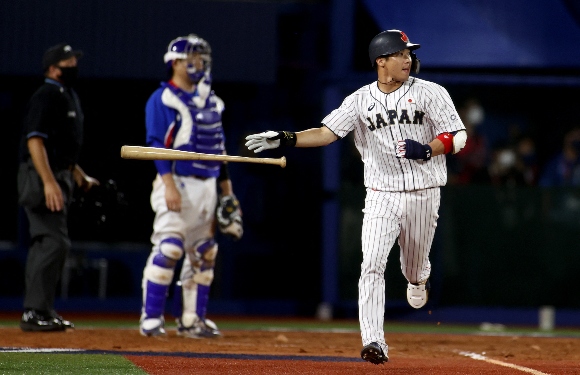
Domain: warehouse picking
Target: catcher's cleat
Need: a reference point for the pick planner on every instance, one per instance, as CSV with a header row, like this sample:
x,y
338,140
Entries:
x,y
152,327
199,330
374,354
417,295
40,321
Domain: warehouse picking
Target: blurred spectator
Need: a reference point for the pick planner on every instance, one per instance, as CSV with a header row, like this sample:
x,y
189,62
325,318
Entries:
x,y
506,169
470,165
526,151
564,168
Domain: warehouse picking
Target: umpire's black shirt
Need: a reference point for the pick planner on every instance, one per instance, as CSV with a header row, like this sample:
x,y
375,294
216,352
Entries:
x,y
54,114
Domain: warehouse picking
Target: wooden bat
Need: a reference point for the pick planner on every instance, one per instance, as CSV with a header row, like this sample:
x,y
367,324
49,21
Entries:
x,y
157,153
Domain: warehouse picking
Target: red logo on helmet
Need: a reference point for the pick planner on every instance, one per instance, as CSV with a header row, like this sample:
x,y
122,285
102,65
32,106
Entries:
x,y
404,37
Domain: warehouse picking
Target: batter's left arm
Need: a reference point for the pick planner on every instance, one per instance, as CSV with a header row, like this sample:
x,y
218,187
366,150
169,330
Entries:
x,y
444,143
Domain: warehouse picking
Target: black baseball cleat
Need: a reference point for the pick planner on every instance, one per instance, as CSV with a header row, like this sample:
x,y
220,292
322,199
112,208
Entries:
x,y
40,321
63,322
374,354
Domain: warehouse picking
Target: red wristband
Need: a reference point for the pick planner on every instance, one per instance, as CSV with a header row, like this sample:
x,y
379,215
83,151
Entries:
x,y
447,140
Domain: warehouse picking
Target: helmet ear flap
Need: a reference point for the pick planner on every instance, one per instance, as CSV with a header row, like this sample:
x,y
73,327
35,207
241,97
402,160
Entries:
x,y
415,63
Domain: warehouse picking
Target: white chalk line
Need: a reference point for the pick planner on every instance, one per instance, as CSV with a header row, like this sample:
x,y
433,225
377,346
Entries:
x,y
36,350
480,357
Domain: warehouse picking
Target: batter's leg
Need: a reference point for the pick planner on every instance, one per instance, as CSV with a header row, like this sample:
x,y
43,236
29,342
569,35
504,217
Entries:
x,y
379,232
417,233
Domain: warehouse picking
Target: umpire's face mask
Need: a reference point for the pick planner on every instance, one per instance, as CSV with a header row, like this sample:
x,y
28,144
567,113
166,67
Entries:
x,y
69,75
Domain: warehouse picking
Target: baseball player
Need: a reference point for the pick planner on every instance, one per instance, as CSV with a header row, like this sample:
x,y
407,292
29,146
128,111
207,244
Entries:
x,y
185,114
403,127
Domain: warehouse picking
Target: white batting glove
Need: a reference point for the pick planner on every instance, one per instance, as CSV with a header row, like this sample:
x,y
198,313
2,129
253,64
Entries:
x,y
263,141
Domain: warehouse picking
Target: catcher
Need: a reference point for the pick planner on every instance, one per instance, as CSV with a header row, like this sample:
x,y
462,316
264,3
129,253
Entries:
x,y
185,114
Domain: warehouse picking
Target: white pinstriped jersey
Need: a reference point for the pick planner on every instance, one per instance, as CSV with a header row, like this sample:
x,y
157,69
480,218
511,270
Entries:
x,y
418,110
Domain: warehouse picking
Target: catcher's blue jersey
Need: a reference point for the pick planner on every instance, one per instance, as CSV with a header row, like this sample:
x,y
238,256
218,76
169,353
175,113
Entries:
x,y
172,120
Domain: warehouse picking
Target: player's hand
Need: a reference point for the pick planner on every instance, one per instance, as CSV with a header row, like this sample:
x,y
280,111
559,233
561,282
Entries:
x,y
264,141
53,196
172,199
410,149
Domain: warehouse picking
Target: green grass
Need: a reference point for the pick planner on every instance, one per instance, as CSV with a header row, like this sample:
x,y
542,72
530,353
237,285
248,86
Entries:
x,y
49,363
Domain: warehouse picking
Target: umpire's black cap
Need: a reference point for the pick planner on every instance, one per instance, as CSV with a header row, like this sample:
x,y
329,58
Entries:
x,y
59,52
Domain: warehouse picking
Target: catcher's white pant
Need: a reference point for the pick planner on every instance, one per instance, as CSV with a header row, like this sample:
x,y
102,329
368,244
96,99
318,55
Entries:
x,y
193,224
409,217
195,221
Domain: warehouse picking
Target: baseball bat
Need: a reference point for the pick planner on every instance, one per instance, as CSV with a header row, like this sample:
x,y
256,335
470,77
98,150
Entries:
x,y
157,153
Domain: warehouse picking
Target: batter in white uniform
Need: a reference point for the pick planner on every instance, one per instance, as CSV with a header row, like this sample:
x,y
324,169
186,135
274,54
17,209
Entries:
x,y
403,127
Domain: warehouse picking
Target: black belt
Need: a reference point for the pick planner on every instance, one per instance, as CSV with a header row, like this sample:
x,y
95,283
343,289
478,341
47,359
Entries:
x,y
203,178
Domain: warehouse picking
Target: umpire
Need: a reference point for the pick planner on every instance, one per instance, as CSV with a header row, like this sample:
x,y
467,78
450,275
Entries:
x,y
48,170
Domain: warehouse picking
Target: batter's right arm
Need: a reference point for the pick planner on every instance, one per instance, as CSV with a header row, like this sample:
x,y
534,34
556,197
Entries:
x,y
314,137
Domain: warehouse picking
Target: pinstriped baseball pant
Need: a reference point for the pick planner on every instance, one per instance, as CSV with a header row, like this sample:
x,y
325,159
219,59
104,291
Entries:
x,y
409,218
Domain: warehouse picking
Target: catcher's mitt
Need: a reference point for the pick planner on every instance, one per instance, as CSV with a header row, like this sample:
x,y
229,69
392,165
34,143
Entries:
x,y
229,216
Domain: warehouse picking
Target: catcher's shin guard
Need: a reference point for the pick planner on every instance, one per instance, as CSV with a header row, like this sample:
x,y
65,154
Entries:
x,y
158,275
196,279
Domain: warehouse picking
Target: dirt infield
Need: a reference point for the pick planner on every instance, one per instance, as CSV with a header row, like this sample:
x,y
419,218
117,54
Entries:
x,y
316,352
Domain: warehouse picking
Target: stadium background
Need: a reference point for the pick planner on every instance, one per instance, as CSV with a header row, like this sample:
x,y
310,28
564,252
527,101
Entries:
x,y
500,253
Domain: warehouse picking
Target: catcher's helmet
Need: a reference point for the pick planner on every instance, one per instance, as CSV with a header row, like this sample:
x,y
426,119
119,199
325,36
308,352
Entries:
x,y
181,47
391,41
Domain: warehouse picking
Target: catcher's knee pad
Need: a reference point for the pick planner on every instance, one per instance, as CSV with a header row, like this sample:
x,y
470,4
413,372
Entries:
x,y
202,263
205,254
161,267
158,275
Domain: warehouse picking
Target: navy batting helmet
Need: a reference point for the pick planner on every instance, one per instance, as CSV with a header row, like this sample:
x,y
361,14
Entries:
x,y
391,41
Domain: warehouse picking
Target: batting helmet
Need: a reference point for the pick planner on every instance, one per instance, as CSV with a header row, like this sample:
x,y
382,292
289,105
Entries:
x,y
181,47
391,41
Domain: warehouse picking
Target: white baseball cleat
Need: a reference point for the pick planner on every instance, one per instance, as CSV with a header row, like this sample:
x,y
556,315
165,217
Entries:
x,y
152,327
417,295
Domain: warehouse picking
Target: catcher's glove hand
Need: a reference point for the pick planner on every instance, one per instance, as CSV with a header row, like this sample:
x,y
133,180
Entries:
x,y
229,216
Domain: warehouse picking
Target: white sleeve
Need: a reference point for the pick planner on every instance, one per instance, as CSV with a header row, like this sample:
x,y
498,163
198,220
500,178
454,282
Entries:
x,y
342,120
443,115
